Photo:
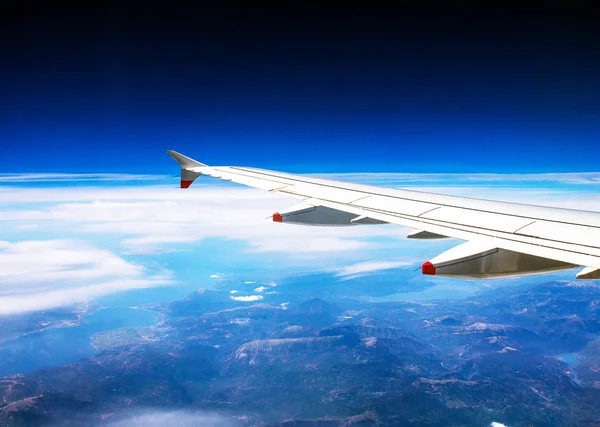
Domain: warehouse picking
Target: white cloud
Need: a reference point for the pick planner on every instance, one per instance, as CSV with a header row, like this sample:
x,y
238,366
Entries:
x,y
149,217
216,276
76,177
496,424
248,298
174,419
260,289
56,260
233,291
369,267
36,275
26,227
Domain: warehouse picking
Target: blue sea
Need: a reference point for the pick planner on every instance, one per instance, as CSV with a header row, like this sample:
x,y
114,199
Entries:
x,y
61,345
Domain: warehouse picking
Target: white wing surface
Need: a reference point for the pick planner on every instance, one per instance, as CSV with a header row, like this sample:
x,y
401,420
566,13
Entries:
x,y
502,239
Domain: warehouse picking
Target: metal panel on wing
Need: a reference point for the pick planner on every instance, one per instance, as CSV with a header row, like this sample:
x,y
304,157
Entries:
x,y
395,205
484,220
568,233
323,193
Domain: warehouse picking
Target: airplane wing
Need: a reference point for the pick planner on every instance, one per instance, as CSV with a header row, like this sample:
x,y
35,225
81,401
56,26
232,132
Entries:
x,y
502,239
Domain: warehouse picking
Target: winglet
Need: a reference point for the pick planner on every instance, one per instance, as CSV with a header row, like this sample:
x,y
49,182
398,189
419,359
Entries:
x,y
185,161
188,174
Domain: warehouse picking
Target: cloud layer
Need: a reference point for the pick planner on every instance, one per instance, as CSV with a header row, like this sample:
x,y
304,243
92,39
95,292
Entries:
x,y
149,217
36,275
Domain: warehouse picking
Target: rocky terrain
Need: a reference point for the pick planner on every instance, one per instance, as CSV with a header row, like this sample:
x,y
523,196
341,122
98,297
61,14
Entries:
x,y
293,360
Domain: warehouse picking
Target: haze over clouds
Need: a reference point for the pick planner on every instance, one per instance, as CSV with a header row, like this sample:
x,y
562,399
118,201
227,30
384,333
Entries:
x,y
369,267
476,178
153,219
76,177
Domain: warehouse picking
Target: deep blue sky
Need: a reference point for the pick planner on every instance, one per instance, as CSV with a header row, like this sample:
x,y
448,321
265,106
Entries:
x,y
311,88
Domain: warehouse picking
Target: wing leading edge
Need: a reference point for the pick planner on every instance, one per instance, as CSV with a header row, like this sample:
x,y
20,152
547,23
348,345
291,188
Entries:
x,y
502,238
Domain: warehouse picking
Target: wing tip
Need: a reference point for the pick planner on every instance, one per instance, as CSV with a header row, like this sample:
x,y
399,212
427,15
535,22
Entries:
x,y
185,161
